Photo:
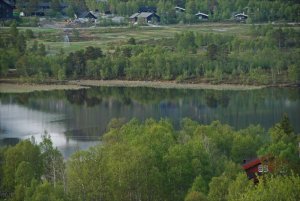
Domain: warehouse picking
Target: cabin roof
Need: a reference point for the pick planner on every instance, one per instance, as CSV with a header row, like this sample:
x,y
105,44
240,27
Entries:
x,y
142,15
87,14
179,8
203,14
241,15
145,14
251,163
134,15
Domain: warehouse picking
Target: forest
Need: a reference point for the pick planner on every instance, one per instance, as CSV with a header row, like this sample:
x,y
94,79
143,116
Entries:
x,y
257,10
261,55
152,160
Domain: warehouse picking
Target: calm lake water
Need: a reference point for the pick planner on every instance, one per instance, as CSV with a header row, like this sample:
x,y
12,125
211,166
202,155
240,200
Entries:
x,y
76,119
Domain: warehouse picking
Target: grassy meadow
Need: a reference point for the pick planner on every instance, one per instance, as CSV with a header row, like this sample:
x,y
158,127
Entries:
x,y
106,37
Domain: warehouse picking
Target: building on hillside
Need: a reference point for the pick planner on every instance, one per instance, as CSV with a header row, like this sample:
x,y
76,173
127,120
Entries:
x,y
144,17
133,18
85,16
257,167
240,17
179,9
88,15
6,9
202,16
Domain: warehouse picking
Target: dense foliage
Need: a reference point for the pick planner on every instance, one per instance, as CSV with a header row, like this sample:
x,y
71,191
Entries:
x,y
267,10
153,161
266,54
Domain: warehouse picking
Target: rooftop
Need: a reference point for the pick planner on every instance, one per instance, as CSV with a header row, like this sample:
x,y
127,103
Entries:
x,y
199,13
145,14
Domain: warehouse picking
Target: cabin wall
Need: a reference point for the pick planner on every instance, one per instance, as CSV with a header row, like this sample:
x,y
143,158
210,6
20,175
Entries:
x,y
6,11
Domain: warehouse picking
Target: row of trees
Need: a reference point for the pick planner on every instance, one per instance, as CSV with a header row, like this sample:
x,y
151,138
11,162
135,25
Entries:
x,y
153,161
268,55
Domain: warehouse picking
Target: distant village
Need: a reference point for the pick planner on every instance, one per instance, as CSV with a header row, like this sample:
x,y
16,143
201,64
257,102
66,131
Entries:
x,y
144,15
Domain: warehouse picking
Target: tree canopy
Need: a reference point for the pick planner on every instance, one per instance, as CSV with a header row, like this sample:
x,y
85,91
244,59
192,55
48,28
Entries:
x,y
152,160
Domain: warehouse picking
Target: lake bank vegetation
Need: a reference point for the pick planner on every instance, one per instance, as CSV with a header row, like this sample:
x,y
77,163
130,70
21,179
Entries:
x,y
263,55
154,161
26,88
16,86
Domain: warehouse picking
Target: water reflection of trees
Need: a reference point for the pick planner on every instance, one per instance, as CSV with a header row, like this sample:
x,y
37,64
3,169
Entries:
x,y
143,95
214,99
236,108
81,97
95,95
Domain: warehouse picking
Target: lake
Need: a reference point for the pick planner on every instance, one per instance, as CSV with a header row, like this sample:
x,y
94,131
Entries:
x,y
76,119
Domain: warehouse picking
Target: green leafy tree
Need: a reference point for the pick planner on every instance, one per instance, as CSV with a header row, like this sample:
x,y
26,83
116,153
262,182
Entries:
x,y
239,186
41,51
29,34
92,53
44,192
272,188
55,5
283,147
82,169
131,41
190,11
24,174
28,156
195,196
53,164
294,73
219,188
76,64
14,32
21,43
186,42
212,51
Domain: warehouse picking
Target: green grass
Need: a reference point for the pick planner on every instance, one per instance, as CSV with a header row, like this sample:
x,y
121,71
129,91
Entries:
x,y
104,37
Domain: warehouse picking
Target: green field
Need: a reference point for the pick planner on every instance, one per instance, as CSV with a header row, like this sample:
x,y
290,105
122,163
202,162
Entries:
x,y
106,37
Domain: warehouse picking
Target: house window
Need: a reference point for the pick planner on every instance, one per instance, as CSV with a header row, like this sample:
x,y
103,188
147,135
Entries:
x,y
260,168
263,168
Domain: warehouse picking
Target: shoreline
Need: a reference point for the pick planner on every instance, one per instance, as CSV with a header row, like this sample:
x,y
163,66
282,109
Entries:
x,y
27,88
13,86
162,85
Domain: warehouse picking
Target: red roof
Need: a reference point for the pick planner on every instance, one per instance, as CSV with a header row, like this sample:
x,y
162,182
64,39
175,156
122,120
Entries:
x,y
252,163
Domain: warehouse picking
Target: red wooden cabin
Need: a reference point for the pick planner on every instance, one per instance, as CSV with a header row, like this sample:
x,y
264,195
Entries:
x,y
257,167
